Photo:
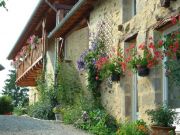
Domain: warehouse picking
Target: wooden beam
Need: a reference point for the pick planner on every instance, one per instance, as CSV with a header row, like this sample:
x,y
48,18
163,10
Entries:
x,y
62,6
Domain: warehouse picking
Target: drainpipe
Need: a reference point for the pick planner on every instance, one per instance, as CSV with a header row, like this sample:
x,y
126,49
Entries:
x,y
66,18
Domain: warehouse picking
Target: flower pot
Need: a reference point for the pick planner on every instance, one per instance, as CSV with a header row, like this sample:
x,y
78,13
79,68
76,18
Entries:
x,y
143,71
8,113
58,117
158,130
115,77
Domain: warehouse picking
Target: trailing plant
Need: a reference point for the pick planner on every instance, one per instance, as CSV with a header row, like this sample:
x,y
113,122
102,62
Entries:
x,y
96,60
149,58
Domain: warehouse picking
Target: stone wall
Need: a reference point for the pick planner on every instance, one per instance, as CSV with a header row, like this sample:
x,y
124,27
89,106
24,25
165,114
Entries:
x,y
76,42
33,95
50,60
109,12
149,88
117,98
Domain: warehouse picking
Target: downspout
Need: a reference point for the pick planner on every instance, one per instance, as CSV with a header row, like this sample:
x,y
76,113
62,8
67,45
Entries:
x,y
67,17
55,55
56,64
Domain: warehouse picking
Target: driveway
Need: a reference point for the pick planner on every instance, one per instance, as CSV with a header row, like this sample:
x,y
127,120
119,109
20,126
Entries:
x,y
19,125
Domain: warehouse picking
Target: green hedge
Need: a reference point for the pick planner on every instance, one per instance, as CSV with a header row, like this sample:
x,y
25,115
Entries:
x,y
5,105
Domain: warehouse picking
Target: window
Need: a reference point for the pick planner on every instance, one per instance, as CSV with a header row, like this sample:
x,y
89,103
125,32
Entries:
x,y
171,87
171,92
128,10
131,95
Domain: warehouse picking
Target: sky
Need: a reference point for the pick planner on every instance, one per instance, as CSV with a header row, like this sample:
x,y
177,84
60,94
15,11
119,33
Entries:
x,y
12,22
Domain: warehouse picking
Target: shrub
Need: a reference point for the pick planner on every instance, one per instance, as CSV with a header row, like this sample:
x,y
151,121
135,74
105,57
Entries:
x,y
41,110
5,105
71,114
98,122
20,110
138,127
162,116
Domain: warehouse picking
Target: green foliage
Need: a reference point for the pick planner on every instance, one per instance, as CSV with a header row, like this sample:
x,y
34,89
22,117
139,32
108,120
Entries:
x,y
57,109
70,93
98,122
20,111
18,94
41,110
138,127
69,86
71,114
47,101
162,116
74,102
5,105
3,3
172,72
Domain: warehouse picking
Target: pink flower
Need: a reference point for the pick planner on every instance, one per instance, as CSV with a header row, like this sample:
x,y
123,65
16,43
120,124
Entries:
x,y
151,45
142,46
123,66
173,20
160,43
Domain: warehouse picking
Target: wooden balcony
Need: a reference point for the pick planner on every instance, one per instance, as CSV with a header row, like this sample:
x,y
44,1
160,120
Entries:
x,y
30,68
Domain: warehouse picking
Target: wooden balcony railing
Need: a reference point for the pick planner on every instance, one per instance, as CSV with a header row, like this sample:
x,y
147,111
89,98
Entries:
x,y
29,61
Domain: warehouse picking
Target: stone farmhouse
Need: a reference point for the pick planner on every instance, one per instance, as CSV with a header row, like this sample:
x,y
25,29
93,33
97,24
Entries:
x,y
62,28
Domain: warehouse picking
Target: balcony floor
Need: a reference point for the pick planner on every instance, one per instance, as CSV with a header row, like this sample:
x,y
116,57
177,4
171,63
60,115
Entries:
x,y
29,77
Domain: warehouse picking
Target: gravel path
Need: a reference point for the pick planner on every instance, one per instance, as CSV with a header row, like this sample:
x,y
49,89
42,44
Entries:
x,y
15,125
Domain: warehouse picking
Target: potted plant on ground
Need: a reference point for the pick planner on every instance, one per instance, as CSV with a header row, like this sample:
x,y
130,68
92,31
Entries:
x,y
58,112
162,119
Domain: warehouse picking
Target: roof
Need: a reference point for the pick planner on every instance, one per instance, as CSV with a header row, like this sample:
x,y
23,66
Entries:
x,y
40,11
75,15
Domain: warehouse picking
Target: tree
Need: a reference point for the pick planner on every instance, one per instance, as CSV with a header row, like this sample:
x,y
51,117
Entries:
x,y
3,4
18,94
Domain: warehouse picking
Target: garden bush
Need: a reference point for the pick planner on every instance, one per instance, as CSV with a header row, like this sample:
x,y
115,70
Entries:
x,y
41,110
98,122
19,110
138,127
5,105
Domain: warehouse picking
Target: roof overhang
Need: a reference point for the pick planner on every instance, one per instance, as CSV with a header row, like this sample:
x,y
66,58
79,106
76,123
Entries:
x,y
40,11
75,15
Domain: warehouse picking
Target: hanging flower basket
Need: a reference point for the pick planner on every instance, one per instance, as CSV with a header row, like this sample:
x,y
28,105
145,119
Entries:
x,y
115,77
165,3
143,71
